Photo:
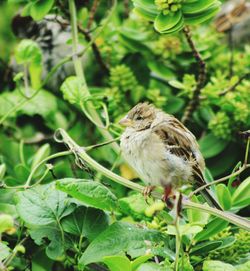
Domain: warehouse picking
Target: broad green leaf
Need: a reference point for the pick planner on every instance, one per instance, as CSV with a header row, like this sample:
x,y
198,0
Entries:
x,y
28,51
43,205
211,146
4,251
184,229
40,8
205,247
134,206
2,171
175,28
153,267
174,104
209,265
44,104
146,9
138,261
224,196
201,17
42,153
243,267
51,233
241,196
197,6
90,192
6,222
121,237
197,217
73,90
176,84
117,263
164,23
214,226
85,221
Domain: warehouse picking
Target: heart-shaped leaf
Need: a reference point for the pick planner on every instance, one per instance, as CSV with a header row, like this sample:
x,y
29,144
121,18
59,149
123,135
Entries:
x,y
92,193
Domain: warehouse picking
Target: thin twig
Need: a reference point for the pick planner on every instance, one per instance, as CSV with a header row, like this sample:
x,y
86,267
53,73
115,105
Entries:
x,y
231,50
92,13
236,173
194,102
126,8
231,88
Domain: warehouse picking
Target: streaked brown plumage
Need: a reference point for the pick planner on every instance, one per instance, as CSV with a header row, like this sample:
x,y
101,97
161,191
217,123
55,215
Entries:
x,y
162,150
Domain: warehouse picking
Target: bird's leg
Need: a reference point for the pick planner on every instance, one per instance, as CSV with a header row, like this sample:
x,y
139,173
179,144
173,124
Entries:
x,y
166,195
147,192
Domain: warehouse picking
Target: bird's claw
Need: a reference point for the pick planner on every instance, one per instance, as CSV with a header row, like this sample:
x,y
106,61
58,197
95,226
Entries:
x,y
147,192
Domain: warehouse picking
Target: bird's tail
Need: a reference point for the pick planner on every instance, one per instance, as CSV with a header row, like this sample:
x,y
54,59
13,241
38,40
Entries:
x,y
210,199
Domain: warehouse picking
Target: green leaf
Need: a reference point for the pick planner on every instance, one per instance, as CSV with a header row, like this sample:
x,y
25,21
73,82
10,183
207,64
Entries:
x,y
85,221
201,17
241,196
55,246
214,226
43,205
197,6
197,217
184,229
224,196
6,222
117,263
153,267
205,247
72,90
217,266
176,84
4,251
44,104
164,23
41,154
138,261
28,51
174,104
146,9
92,193
2,171
211,146
121,237
40,8
134,206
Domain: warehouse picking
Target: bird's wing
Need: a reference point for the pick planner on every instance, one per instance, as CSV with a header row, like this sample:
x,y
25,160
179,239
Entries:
x,y
179,141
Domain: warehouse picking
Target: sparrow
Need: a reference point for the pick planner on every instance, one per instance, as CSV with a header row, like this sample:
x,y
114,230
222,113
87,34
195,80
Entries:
x,y
162,151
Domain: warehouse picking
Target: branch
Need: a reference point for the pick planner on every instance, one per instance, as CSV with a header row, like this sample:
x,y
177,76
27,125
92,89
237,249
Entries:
x,y
81,154
92,13
231,88
194,103
80,72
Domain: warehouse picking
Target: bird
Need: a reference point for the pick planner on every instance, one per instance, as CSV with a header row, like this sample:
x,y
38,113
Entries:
x,y
162,151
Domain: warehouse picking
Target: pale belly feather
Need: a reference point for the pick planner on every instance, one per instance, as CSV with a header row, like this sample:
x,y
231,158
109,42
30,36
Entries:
x,y
147,155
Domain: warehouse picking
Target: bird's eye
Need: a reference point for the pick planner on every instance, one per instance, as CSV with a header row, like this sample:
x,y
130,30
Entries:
x,y
138,118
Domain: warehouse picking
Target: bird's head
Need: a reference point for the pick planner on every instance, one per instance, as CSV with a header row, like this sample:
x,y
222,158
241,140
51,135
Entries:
x,y
140,117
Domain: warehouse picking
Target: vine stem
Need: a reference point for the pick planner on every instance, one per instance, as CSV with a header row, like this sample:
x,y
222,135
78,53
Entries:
x,y
81,153
59,154
236,173
194,102
94,117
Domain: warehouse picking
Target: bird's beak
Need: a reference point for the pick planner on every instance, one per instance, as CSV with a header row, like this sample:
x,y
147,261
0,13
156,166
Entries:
x,y
126,122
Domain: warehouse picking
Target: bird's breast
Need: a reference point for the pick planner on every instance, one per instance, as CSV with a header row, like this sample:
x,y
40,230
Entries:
x,y
145,152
